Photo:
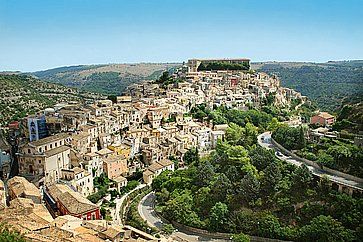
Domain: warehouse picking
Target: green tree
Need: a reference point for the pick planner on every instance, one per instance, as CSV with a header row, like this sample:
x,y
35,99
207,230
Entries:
x,y
191,156
271,179
218,216
273,125
301,178
324,229
241,237
249,189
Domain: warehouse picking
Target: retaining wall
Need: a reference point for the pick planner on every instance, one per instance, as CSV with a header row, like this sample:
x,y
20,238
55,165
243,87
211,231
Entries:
x,y
213,235
314,164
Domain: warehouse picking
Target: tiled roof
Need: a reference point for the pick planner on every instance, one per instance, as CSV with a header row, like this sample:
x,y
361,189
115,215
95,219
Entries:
x,y
50,139
57,150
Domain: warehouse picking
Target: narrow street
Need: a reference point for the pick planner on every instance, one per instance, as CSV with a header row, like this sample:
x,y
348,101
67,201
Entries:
x,y
147,212
115,213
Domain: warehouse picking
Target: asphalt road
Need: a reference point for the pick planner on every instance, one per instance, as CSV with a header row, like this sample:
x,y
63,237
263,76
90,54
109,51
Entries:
x,y
146,211
264,140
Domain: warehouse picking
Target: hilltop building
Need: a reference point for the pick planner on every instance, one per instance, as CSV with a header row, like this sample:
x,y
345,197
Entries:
x,y
193,64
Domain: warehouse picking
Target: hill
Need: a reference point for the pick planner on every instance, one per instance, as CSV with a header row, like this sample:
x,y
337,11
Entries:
x,y
106,79
328,84
350,115
21,95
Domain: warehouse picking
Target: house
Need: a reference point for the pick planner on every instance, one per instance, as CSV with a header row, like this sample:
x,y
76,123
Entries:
x,y
121,149
156,169
93,163
215,136
62,200
79,179
323,118
114,166
20,187
45,157
120,182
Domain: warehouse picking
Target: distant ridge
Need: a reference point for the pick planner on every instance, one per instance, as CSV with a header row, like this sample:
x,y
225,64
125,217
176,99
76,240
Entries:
x,y
104,78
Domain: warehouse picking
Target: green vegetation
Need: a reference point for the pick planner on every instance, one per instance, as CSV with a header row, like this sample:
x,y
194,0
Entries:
x,y
110,79
133,217
241,188
337,154
165,79
241,238
350,115
325,83
7,234
223,66
289,137
24,95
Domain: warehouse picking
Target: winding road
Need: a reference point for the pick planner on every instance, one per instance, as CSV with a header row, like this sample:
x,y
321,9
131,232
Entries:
x,y
264,140
147,212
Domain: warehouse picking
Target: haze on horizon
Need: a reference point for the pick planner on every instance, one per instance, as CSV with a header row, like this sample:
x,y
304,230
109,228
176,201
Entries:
x,y
37,35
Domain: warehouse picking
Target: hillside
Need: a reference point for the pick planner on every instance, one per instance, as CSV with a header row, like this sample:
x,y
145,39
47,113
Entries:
x,y
325,83
350,114
107,79
21,95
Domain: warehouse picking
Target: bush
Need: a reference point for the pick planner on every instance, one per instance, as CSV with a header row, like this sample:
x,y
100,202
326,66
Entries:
x,y
241,238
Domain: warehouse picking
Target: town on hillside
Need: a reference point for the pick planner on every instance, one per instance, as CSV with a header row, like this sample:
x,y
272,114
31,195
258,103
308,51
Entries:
x,y
69,170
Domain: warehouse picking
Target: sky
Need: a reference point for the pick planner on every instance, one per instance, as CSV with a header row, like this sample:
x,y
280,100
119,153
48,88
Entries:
x,y
42,34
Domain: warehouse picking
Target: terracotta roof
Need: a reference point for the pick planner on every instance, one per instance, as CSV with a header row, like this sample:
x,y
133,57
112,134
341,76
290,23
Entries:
x,y
325,115
148,173
76,204
165,163
73,201
19,185
120,179
154,167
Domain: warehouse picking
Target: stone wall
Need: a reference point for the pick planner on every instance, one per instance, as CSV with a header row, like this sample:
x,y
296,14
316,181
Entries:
x,y
213,235
314,164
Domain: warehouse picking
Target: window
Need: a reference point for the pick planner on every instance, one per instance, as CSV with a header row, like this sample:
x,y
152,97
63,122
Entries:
x,y
29,151
51,146
40,161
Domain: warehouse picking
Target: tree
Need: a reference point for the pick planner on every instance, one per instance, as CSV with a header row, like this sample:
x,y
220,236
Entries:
x,y
249,189
180,209
241,237
204,174
203,202
163,196
271,178
273,125
234,133
325,228
249,137
218,216
220,187
301,178
269,226
168,229
325,159
158,181
191,156
261,157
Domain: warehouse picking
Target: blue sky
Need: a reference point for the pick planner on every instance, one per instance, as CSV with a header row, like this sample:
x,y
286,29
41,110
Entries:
x,y
36,35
